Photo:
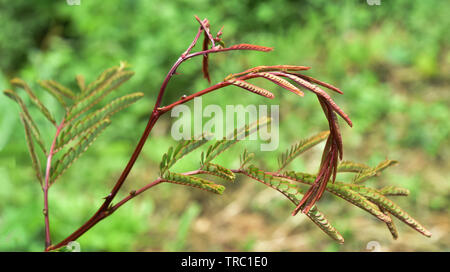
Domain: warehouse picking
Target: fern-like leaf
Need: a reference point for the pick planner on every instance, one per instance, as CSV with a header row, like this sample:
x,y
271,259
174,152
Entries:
x,y
319,92
81,83
75,152
59,88
181,149
193,182
245,159
302,146
84,125
220,146
324,84
34,158
22,84
390,225
391,207
27,118
293,193
252,88
394,191
281,82
219,171
349,166
54,92
372,172
102,80
343,192
95,95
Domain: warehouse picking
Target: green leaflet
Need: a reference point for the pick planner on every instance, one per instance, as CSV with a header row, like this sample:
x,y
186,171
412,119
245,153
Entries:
x,y
81,83
22,84
285,187
215,150
220,146
219,171
60,89
349,166
97,94
372,172
182,149
193,182
299,148
82,126
54,92
391,225
293,193
27,118
391,207
322,222
74,152
394,191
103,79
343,192
245,159
34,158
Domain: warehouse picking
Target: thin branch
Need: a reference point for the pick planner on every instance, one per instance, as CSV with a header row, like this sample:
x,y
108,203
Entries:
x,y
156,113
48,240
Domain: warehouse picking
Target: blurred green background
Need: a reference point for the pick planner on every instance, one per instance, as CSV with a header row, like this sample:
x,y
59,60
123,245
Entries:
x,y
391,61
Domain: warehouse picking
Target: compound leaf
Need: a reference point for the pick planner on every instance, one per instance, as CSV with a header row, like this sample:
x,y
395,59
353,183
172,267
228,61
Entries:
x,y
75,152
193,182
22,84
299,148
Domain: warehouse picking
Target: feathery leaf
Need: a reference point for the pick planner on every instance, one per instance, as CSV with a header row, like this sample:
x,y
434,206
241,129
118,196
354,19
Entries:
x,y
54,92
75,152
372,172
81,83
252,88
82,126
181,149
300,147
220,146
59,88
98,93
34,158
326,85
293,193
27,118
341,191
349,166
391,225
22,84
318,91
245,159
281,82
282,68
244,46
391,207
394,191
193,182
219,171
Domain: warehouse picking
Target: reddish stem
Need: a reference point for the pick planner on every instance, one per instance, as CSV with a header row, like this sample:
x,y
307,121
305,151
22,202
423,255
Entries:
x,y
48,240
105,209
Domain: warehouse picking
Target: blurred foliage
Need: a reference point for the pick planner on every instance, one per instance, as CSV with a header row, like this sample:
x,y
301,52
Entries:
x,y
392,62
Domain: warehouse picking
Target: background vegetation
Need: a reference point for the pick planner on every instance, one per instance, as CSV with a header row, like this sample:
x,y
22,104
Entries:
x,y
392,61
